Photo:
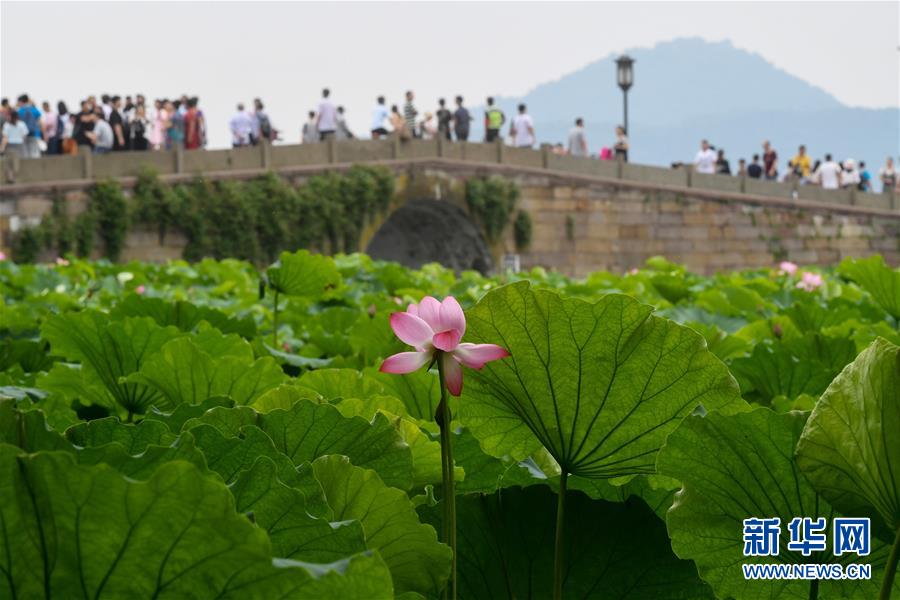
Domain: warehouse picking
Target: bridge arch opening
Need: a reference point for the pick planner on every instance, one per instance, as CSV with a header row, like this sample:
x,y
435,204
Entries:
x,y
424,231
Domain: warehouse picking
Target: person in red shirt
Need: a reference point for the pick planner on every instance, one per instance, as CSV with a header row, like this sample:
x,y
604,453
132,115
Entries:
x,y
192,131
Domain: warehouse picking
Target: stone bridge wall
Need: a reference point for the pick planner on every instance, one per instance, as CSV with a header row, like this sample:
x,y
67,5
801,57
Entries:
x,y
587,214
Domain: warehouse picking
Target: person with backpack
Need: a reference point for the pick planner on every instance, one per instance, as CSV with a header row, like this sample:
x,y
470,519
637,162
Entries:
x,y
493,121
31,117
264,128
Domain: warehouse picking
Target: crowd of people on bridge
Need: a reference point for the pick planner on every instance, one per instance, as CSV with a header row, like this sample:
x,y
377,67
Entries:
x,y
801,168
115,124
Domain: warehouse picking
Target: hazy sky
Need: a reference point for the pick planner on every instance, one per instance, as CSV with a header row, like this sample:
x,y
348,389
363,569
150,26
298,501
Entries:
x,y
286,52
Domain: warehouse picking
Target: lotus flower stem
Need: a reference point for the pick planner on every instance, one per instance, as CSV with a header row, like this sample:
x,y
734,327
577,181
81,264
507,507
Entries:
x,y
558,563
275,322
891,569
442,417
814,589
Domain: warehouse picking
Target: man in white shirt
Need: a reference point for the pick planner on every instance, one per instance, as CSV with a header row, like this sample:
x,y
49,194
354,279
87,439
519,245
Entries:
x,y
379,116
705,161
241,127
522,129
829,174
577,140
326,120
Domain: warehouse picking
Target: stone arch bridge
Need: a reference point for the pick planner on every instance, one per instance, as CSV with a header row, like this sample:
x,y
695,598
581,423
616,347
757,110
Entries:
x,y
587,214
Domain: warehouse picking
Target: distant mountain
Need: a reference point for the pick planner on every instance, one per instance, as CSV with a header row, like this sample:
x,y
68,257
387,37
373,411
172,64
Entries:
x,y
689,89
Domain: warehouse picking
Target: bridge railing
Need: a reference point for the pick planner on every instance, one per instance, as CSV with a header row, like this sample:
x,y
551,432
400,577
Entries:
x,y
88,166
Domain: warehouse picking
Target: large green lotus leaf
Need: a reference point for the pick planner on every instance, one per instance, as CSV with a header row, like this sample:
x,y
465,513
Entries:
x,y
363,576
134,438
27,429
874,276
120,446
331,384
418,562
110,350
599,385
181,314
182,413
612,549
426,452
850,448
30,355
142,466
420,391
182,373
71,382
229,456
303,274
282,396
90,532
737,467
309,430
372,338
487,474
804,365
282,512
810,314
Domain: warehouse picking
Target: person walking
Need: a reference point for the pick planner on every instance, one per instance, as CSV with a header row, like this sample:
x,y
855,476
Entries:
x,y
192,133
14,133
326,118
461,121
398,124
722,166
828,174
621,145
261,120
770,161
444,117
801,164
159,120
343,130
850,176
522,129
754,170
139,130
379,116
241,126
103,135
888,175
84,125
493,121
578,145
705,161
409,115
119,127
310,133
31,116
52,130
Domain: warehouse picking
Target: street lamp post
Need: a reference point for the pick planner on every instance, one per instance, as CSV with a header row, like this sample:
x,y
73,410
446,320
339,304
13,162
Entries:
x,y
625,78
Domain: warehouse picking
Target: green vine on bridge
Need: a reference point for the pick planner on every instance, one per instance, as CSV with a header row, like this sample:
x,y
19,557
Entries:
x,y
253,220
491,202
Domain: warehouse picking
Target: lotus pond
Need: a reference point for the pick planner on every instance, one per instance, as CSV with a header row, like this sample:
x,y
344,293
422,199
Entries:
x,y
210,430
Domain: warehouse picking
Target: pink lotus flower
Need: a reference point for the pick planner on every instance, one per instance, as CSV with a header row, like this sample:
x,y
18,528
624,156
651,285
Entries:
x,y
787,268
140,289
809,281
61,261
633,271
2,256
431,327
